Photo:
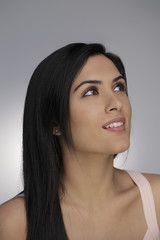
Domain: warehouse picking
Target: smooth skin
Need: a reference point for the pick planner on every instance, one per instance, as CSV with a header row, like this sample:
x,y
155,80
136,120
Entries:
x,y
100,202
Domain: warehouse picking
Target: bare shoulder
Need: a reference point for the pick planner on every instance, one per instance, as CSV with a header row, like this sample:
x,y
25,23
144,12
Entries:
x,y
13,220
154,180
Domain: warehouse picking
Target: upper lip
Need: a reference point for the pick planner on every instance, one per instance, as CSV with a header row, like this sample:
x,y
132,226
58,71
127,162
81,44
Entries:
x,y
118,119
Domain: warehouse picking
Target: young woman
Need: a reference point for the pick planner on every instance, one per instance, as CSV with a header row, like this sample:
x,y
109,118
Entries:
x,y
77,118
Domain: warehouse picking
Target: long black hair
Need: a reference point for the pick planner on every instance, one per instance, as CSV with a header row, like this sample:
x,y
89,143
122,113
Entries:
x,y
46,106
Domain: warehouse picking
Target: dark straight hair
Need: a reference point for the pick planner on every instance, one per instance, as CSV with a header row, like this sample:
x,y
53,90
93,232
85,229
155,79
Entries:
x,y
46,106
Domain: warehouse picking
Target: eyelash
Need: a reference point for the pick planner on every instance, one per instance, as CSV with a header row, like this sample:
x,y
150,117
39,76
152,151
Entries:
x,y
92,88
122,87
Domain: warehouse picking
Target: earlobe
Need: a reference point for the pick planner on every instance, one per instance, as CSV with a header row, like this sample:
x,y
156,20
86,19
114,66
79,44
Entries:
x,y
56,131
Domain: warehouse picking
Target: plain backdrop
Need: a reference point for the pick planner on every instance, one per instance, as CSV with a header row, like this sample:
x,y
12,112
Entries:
x,y
30,30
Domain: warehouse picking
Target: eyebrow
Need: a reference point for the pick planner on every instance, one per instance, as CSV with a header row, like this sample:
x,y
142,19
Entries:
x,y
98,81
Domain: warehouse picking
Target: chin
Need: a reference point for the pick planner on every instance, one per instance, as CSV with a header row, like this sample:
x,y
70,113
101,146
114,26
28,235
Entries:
x,y
121,146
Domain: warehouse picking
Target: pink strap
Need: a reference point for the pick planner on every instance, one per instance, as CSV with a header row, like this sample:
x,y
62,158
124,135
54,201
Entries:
x,y
147,201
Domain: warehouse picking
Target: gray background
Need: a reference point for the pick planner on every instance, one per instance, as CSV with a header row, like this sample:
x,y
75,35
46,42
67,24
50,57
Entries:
x,y
31,30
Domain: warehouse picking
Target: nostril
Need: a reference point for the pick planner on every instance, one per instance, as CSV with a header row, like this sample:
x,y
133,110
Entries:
x,y
109,109
113,109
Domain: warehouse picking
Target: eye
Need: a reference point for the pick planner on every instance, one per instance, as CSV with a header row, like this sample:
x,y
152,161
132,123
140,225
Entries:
x,y
90,91
120,87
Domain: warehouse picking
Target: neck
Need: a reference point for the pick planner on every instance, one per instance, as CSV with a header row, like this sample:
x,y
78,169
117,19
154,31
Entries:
x,y
89,179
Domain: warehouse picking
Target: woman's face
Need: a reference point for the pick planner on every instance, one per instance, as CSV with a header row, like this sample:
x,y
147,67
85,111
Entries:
x,y
97,99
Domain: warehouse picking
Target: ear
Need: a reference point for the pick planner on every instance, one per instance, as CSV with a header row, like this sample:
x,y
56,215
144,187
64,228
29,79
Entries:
x,y
56,131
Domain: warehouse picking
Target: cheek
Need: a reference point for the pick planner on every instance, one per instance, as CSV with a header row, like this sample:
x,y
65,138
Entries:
x,y
128,113
85,114
129,110
84,120
126,105
81,117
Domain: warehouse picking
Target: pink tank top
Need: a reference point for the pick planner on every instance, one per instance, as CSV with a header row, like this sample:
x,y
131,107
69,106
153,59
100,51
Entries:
x,y
144,186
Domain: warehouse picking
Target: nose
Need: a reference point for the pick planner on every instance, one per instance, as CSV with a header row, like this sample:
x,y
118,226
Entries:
x,y
113,104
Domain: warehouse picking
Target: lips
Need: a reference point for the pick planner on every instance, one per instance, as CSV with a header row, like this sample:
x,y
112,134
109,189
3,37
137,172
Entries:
x,y
116,124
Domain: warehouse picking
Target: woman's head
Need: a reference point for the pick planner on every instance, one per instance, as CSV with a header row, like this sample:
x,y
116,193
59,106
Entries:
x,y
52,80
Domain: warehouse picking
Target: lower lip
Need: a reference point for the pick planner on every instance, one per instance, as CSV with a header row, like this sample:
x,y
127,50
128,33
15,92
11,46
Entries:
x,y
116,129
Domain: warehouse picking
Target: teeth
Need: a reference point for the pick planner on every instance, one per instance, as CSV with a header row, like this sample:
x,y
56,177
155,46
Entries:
x,y
116,124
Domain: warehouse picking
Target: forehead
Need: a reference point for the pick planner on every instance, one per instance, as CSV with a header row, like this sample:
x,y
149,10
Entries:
x,y
97,67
